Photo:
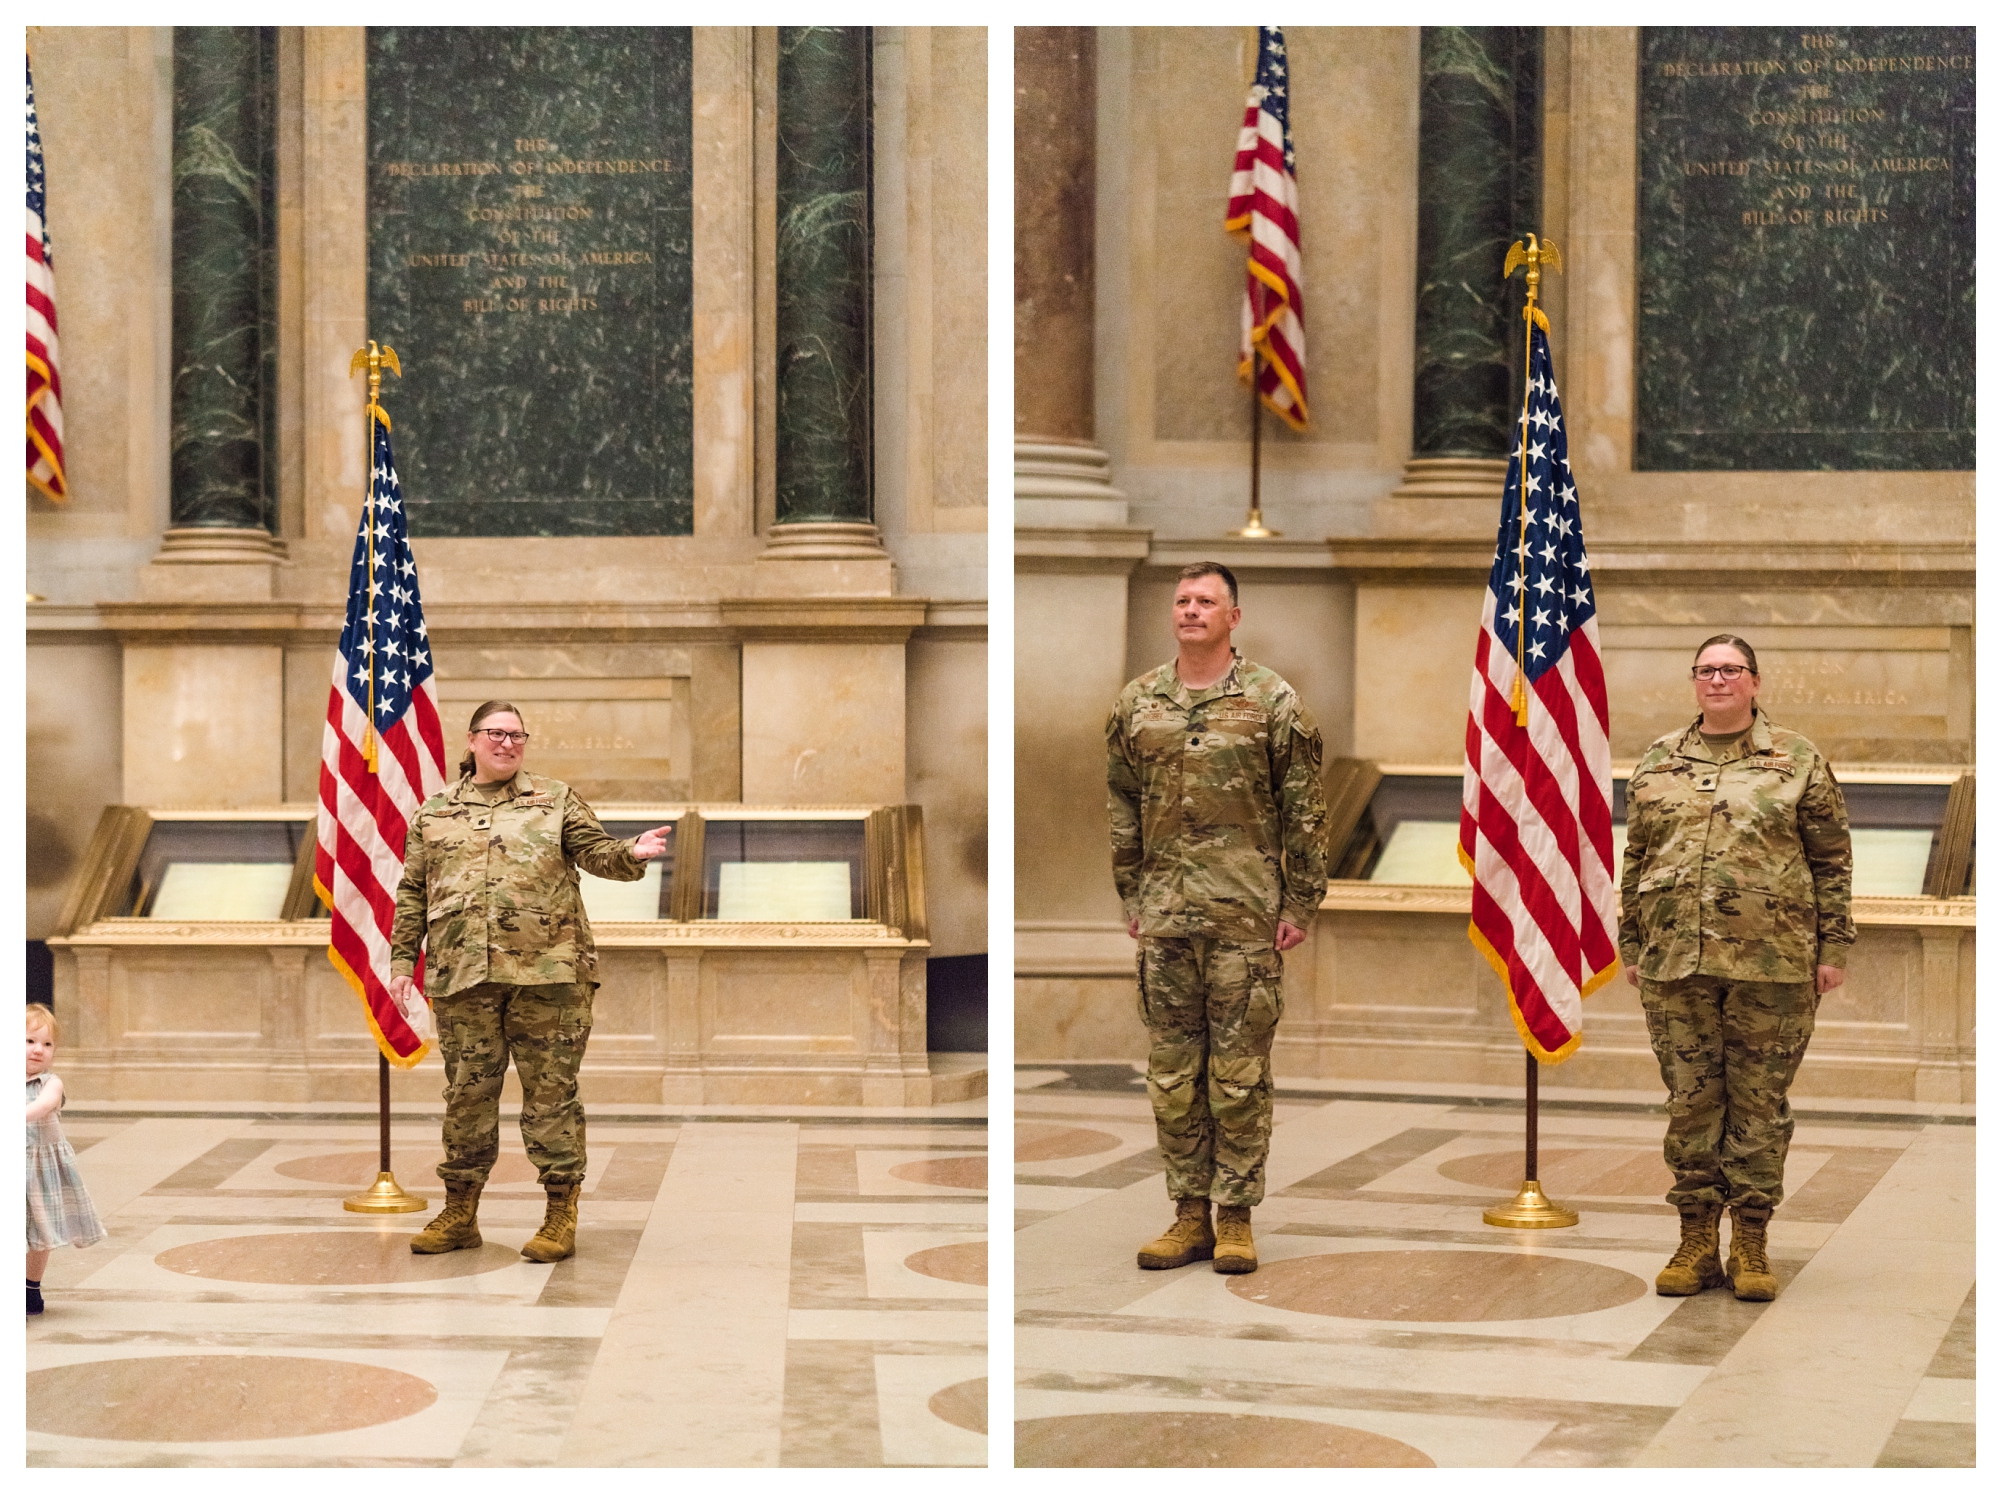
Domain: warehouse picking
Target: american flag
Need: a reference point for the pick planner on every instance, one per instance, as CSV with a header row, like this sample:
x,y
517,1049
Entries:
x,y
372,781
1264,208
45,380
1536,823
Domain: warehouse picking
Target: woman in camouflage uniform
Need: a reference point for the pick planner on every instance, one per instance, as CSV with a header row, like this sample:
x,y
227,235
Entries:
x,y
1734,922
490,890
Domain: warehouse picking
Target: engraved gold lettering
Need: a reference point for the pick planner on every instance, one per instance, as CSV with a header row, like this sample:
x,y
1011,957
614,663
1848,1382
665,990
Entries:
x,y
529,213
441,168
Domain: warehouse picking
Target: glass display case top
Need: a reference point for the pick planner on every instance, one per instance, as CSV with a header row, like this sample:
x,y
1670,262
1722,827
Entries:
x,y
1409,834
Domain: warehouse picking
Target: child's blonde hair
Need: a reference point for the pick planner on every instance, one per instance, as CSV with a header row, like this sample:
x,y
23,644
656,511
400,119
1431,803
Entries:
x,y
41,1016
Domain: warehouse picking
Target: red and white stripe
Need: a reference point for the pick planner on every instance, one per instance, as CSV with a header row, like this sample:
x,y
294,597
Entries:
x,y
45,380
1264,209
363,818
1536,832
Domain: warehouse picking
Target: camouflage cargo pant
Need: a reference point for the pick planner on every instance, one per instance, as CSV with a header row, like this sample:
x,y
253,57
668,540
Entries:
x,y
1210,1010
1728,1050
543,1028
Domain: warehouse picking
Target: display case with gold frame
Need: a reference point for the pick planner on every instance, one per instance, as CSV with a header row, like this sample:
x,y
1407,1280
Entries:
x,y
775,954
1391,987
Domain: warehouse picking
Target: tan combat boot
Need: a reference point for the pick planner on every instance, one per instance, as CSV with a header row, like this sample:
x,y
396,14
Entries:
x,y
558,1236
1751,1277
454,1227
1235,1253
1189,1238
1694,1266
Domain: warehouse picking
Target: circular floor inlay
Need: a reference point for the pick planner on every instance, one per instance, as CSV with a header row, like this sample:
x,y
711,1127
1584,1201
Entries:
x,y
965,1262
945,1172
1203,1439
329,1258
1037,1143
1585,1172
358,1169
219,1397
964,1405
1437,1286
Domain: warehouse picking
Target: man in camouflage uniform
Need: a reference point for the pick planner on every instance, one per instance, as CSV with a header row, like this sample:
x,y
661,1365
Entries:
x,y
490,890
1734,921
1214,766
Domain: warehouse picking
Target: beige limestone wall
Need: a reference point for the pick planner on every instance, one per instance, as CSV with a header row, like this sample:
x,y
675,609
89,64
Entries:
x,y
1069,631
104,101
824,723
1414,650
1171,411
204,725
723,311
75,738
931,278
945,750
333,296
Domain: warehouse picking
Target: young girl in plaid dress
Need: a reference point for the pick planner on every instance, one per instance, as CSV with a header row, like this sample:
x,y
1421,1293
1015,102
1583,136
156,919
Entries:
x,y
59,1211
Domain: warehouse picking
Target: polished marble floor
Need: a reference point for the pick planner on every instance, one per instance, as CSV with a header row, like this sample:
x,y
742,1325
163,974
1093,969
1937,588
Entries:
x,y
1389,1326
753,1287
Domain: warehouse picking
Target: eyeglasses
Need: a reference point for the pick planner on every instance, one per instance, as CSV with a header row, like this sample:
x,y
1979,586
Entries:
x,y
1719,671
497,737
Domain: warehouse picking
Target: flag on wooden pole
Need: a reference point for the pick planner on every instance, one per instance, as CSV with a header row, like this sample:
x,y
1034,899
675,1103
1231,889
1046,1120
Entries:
x,y
1264,209
1536,825
382,753
45,380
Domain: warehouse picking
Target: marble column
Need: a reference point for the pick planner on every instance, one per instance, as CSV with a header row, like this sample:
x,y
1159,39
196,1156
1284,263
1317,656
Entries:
x,y
825,499
1062,478
223,446
1479,188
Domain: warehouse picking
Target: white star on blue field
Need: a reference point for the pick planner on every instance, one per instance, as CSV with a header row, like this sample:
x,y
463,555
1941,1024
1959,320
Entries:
x,y
1558,596
1270,84
401,649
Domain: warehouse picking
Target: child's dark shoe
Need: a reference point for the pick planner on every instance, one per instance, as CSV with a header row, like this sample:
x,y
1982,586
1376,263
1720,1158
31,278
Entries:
x,y
34,1298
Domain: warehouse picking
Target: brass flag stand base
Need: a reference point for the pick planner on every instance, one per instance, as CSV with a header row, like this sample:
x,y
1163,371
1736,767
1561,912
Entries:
x,y
1254,528
384,1196
1529,1209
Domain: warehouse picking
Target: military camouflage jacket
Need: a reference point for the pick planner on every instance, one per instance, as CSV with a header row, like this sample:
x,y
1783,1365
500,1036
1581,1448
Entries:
x,y
1216,805
1737,859
491,889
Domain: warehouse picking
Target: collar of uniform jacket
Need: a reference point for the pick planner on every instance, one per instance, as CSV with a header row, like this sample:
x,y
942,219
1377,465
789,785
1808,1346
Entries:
x,y
1168,682
1758,744
523,783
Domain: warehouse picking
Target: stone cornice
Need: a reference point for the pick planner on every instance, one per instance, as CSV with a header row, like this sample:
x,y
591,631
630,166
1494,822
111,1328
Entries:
x,y
1109,550
807,619
1388,897
823,619
1679,563
147,933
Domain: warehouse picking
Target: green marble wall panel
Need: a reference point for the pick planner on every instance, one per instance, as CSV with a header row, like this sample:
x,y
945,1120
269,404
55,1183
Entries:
x,y
1480,187
823,185
1805,249
530,227
224,410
